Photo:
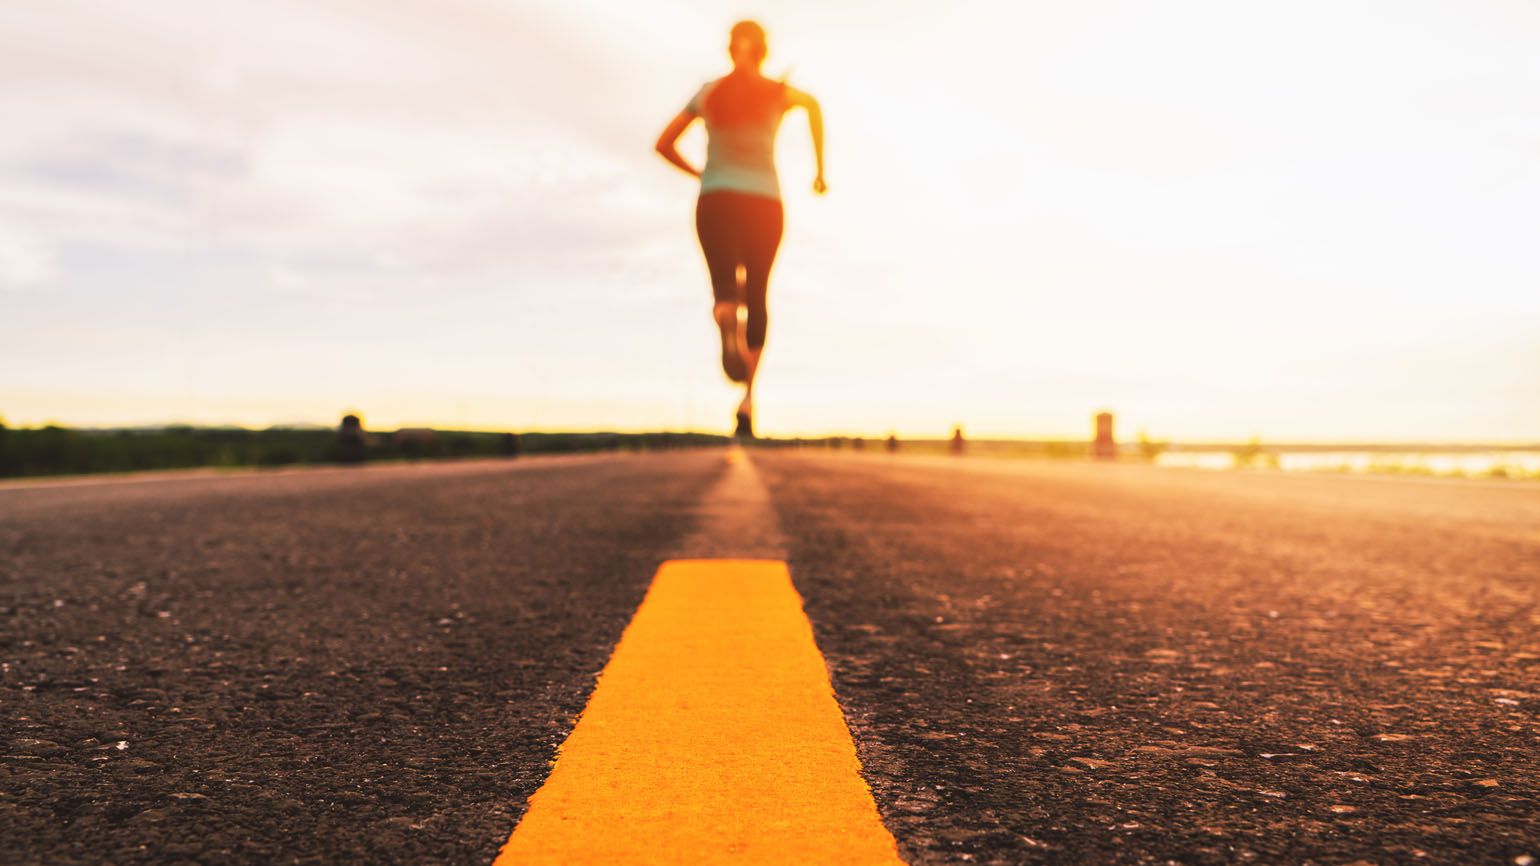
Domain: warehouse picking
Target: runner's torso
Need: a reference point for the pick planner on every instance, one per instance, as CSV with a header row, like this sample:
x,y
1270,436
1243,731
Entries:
x,y
740,156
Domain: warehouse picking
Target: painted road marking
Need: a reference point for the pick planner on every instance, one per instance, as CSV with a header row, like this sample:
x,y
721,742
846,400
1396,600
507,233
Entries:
x,y
712,737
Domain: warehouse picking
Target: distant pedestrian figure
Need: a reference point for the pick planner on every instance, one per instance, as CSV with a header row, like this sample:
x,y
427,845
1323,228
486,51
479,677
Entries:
x,y
738,216
350,440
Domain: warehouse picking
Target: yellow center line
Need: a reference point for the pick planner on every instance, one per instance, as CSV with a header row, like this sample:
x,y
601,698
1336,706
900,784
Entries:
x,y
712,736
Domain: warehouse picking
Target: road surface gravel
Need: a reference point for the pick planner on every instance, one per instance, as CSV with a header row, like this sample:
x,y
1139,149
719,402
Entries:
x,y
1040,662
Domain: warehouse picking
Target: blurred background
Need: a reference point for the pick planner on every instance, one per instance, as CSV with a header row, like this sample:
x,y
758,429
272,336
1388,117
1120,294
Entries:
x,y
1312,221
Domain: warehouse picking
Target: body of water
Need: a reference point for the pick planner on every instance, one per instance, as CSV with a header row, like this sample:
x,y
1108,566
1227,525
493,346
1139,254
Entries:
x,y
1468,464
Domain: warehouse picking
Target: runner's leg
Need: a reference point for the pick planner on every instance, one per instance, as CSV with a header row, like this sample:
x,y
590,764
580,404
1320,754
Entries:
x,y
714,225
763,223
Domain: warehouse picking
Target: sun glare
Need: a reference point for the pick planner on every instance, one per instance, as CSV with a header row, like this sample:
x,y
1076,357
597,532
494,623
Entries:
x,y
1218,219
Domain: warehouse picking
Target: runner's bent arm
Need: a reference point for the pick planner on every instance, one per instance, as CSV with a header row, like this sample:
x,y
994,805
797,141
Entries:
x,y
814,126
670,137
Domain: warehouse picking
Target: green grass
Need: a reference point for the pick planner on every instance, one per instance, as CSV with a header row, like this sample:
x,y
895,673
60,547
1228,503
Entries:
x,y
64,451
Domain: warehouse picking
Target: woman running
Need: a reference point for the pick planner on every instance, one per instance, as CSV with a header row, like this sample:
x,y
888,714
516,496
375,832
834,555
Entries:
x,y
738,216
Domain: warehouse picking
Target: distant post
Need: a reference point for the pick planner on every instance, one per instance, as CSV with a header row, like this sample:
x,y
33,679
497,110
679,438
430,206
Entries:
x,y
958,444
350,440
1104,447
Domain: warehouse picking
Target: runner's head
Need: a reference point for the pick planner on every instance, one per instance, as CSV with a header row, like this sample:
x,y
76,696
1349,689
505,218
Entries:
x,y
745,97
746,45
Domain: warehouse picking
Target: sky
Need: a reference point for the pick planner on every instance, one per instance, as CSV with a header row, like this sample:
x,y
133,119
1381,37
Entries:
x,y
1301,221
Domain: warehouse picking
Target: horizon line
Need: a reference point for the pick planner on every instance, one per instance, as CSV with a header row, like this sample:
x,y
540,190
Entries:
x,y
982,439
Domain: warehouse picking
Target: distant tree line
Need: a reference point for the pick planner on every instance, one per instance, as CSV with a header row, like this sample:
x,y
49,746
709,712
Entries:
x,y
55,450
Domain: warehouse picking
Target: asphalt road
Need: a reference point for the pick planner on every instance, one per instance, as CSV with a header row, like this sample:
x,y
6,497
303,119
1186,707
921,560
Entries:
x,y
1040,662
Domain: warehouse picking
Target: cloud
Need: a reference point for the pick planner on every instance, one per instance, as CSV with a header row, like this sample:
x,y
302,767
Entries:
x,y
24,261
1024,180
341,132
